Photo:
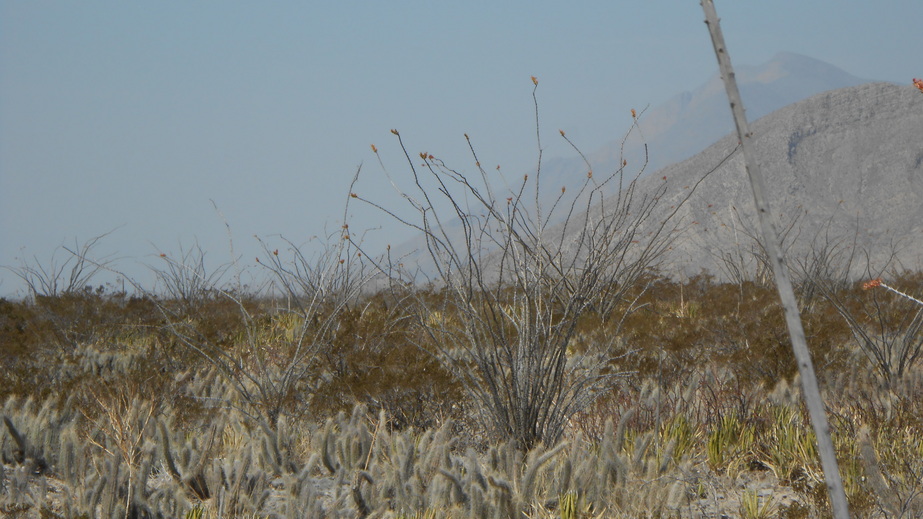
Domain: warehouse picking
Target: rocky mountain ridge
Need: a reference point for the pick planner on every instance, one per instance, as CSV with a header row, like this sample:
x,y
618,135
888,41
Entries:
x,y
843,165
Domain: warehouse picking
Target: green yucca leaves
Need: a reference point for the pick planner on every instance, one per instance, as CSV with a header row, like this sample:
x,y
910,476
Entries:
x,y
791,448
753,506
728,443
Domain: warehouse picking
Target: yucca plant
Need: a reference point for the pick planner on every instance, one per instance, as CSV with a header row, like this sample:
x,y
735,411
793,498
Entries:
x,y
728,445
753,506
789,449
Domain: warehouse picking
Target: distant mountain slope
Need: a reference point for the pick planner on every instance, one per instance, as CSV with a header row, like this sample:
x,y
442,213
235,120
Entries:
x,y
847,157
860,144
693,120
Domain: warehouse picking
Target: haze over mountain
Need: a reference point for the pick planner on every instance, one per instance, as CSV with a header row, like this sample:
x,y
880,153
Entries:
x,y
692,121
695,119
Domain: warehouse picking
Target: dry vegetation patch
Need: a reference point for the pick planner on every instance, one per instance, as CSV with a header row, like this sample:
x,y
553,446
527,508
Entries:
x,y
111,416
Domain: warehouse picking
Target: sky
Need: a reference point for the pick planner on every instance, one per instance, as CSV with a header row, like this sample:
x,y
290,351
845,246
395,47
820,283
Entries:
x,y
166,123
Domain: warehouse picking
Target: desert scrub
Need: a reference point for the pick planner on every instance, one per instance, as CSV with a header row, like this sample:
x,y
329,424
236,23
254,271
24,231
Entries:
x,y
656,441
518,276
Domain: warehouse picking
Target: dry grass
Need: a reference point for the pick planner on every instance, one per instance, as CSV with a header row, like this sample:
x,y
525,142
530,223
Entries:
x,y
107,415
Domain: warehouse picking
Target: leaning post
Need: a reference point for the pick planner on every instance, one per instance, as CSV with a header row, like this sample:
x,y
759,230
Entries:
x,y
811,390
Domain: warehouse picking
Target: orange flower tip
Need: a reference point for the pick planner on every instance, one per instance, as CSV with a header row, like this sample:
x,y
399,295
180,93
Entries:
x,y
871,284
423,155
430,157
477,163
257,260
374,149
664,177
466,137
498,167
388,247
275,252
354,195
563,189
562,132
633,113
394,131
162,255
525,178
685,187
342,261
346,226
534,80
589,174
624,163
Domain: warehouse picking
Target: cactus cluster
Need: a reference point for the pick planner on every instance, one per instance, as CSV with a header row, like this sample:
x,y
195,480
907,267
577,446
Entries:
x,y
651,457
116,418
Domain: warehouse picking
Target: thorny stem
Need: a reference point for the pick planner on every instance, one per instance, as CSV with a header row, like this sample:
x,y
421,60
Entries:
x,y
877,282
813,399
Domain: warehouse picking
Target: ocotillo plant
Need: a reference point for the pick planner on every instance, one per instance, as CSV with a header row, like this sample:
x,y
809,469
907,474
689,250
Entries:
x,y
512,284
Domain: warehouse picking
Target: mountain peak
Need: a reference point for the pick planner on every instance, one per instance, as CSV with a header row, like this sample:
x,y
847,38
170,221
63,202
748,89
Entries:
x,y
691,121
793,58
800,68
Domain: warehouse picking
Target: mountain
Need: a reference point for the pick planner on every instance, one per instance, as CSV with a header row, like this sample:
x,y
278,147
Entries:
x,y
838,151
845,164
693,120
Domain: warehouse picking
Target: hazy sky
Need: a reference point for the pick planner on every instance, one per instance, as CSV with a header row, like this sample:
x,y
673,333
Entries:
x,y
132,117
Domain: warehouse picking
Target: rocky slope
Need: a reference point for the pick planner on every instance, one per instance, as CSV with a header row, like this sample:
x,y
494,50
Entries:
x,y
848,163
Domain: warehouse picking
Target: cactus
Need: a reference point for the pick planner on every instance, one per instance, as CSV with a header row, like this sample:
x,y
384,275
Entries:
x,y
194,480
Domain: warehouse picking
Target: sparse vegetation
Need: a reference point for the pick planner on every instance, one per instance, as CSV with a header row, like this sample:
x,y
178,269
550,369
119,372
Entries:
x,y
512,279
118,418
542,371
